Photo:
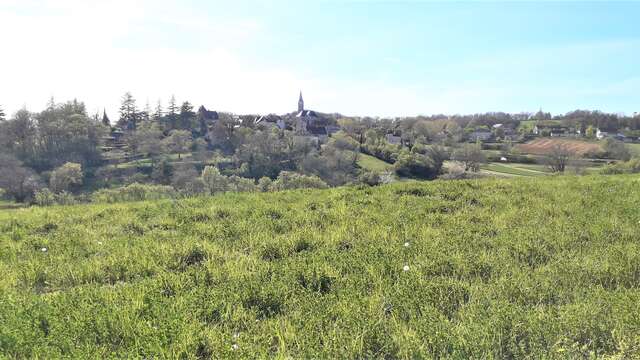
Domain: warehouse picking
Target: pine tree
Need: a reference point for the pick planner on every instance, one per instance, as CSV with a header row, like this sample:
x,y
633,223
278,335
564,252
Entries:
x,y
2,115
146,114
187,116
128,112
157,114
172,113
105,118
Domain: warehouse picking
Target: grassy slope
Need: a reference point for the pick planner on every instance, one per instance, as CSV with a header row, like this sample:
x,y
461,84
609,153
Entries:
x,y
372,163
546,267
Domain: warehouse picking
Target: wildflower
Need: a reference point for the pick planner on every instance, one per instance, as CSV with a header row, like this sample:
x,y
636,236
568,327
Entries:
x,y
99,242
406,244
236,335
234,347
44,249
405,268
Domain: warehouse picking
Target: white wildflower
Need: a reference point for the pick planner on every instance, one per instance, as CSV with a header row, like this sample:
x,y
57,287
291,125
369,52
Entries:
x,y
406,244
44,249
405,268
234,347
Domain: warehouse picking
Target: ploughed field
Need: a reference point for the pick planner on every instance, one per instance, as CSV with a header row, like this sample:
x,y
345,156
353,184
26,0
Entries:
x,y
544,146
495,268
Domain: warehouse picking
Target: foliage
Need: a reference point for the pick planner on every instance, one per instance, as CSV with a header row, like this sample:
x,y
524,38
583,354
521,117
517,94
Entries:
x,y
133,192
470,155
16,180
319,274
627,167
289,180
178,142
616,149
65,176
558,158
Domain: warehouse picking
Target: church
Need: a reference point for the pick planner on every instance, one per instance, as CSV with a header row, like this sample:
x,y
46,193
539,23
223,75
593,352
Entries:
x,y
310,123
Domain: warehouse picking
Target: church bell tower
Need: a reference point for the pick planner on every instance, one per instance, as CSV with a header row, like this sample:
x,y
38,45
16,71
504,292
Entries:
x,y
300,103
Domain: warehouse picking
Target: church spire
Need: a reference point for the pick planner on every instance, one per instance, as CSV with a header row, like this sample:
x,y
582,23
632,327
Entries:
x,y
300,103
105,118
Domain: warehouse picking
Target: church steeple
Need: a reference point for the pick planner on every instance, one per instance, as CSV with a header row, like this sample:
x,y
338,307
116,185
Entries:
x,y
105,118
300,103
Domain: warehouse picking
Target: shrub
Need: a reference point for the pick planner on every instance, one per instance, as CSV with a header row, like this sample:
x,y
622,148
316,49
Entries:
x,y
289,180
44,197
65,176
370,178
416,165
134,192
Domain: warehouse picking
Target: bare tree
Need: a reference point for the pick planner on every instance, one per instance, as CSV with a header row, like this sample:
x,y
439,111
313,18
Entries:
x,y
558,158
471,156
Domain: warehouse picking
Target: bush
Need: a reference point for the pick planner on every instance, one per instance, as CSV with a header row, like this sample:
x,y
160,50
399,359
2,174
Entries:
x,y
134,192
416,165
370,178
628,167
289,180
44,197
65,176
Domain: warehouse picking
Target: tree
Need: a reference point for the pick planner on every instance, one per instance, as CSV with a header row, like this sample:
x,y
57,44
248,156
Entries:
x,y
172,114
157,115
471,156
16,180
590,132
105,119
128,112
2,114
65,176
178,142
558,158
616,149
187,180
187,116
214,182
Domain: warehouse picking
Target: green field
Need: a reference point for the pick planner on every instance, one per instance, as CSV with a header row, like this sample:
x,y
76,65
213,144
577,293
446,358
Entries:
x,y
511,169
372,163
495,268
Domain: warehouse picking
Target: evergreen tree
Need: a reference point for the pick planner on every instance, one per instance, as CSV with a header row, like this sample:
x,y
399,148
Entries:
x,y
157,115
128,112
105,118
2,115
146,114
187,116
172,114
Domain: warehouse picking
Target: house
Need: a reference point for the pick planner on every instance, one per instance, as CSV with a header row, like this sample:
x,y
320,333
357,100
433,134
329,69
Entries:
x,y
393,139
269,121
604,132
553,130
480,135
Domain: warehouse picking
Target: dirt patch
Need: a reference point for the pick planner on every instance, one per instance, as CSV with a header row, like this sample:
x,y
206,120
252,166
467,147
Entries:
x,y
545,145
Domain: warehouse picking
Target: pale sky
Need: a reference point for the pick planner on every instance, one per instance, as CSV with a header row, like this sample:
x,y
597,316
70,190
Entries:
x,y
358,58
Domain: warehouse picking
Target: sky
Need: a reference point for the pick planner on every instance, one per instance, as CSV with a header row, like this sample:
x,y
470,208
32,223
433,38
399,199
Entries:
x,y
375,58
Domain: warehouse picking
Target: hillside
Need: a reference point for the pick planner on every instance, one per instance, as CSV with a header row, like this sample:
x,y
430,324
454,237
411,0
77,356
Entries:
x,y
546,267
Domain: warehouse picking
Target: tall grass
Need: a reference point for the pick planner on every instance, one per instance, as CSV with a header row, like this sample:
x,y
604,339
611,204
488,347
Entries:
x,y
518,268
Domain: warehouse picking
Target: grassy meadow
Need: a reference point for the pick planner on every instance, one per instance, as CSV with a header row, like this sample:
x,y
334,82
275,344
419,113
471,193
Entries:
x,y
545,267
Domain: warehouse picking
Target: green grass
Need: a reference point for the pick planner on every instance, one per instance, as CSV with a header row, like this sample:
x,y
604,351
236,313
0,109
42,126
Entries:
x,y
510,169
497,268
634,149
372,163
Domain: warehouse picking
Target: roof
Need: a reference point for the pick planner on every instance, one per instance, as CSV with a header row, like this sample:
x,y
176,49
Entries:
x,y
206,114
318,131
307,113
